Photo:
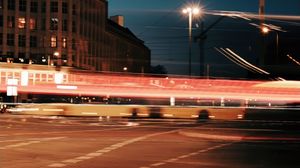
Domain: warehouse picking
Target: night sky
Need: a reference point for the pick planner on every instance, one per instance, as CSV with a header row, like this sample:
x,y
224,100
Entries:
x,y
165,30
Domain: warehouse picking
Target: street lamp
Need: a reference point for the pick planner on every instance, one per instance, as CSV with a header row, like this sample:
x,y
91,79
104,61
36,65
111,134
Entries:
x,y
191,11
266,30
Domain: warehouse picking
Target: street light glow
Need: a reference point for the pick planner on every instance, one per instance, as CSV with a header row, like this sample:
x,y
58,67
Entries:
x,y
265,30
196,10
192,10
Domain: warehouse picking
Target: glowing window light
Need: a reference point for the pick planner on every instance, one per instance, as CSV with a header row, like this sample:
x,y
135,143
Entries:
x,y
24,78
58,78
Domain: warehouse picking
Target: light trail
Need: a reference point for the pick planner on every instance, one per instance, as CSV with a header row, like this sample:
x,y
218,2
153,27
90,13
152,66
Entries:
x,y
84,83
248,16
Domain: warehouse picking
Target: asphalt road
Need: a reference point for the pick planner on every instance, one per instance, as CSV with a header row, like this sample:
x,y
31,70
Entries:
x,y
45,142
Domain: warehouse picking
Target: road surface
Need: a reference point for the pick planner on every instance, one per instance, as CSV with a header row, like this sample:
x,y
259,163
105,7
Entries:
x,y
77,142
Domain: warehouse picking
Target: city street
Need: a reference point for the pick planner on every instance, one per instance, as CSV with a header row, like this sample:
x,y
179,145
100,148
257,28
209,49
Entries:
x,y
40,141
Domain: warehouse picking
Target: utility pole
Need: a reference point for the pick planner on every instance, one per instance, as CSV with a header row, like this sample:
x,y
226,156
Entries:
x,y
261,12
201,39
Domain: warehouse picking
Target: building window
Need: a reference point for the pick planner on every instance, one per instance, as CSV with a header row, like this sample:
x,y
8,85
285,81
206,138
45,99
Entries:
x,y
33,41
64,7
1,21
64,42
54,6
10,39
53,42
73,44
33,6
10,21
21,56
32,23
65,25
11,5
43,7
74,9
10,54
73,58
53,23
74,27
64,59
1,7
1,38
21,23
22,5
22,40
43,24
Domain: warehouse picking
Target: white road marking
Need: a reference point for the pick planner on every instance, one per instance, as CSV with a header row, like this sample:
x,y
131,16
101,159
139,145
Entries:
x,y
57,165
172,160
188,155
30,142
94,154
183,156
83,157
158,164
108,149
103,151
71,161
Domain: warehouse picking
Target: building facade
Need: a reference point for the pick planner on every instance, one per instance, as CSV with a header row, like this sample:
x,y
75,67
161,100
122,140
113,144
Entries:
x,y
72,33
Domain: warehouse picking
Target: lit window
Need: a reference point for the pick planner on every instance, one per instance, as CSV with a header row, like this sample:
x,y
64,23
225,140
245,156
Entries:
x,y
21,23
32,24
53,42
64,42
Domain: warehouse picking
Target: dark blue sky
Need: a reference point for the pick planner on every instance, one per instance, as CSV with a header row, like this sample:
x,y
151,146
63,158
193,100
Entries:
x,y
164,29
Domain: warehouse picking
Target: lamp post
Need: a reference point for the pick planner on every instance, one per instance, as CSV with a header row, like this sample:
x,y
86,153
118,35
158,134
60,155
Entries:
x,y
191,11
266,30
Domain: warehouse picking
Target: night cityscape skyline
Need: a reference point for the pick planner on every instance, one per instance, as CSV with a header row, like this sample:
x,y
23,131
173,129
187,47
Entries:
x,y
149,83
164,30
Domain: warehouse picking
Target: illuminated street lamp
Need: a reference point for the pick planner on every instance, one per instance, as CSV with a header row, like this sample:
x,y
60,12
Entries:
x,y
266,30
191,11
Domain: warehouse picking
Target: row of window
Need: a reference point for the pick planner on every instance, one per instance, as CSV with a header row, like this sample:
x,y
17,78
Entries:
x,y
36,58
21,21
33,41
11,5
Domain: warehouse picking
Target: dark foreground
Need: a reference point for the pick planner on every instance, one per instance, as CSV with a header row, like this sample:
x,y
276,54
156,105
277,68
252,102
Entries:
x,y
41,142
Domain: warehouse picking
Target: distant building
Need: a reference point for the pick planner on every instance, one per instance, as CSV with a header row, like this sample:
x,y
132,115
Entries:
x,y
73,33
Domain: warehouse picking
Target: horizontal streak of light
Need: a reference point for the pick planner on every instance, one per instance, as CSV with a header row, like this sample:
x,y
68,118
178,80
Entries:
x,y
53,109
252,15
66,87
